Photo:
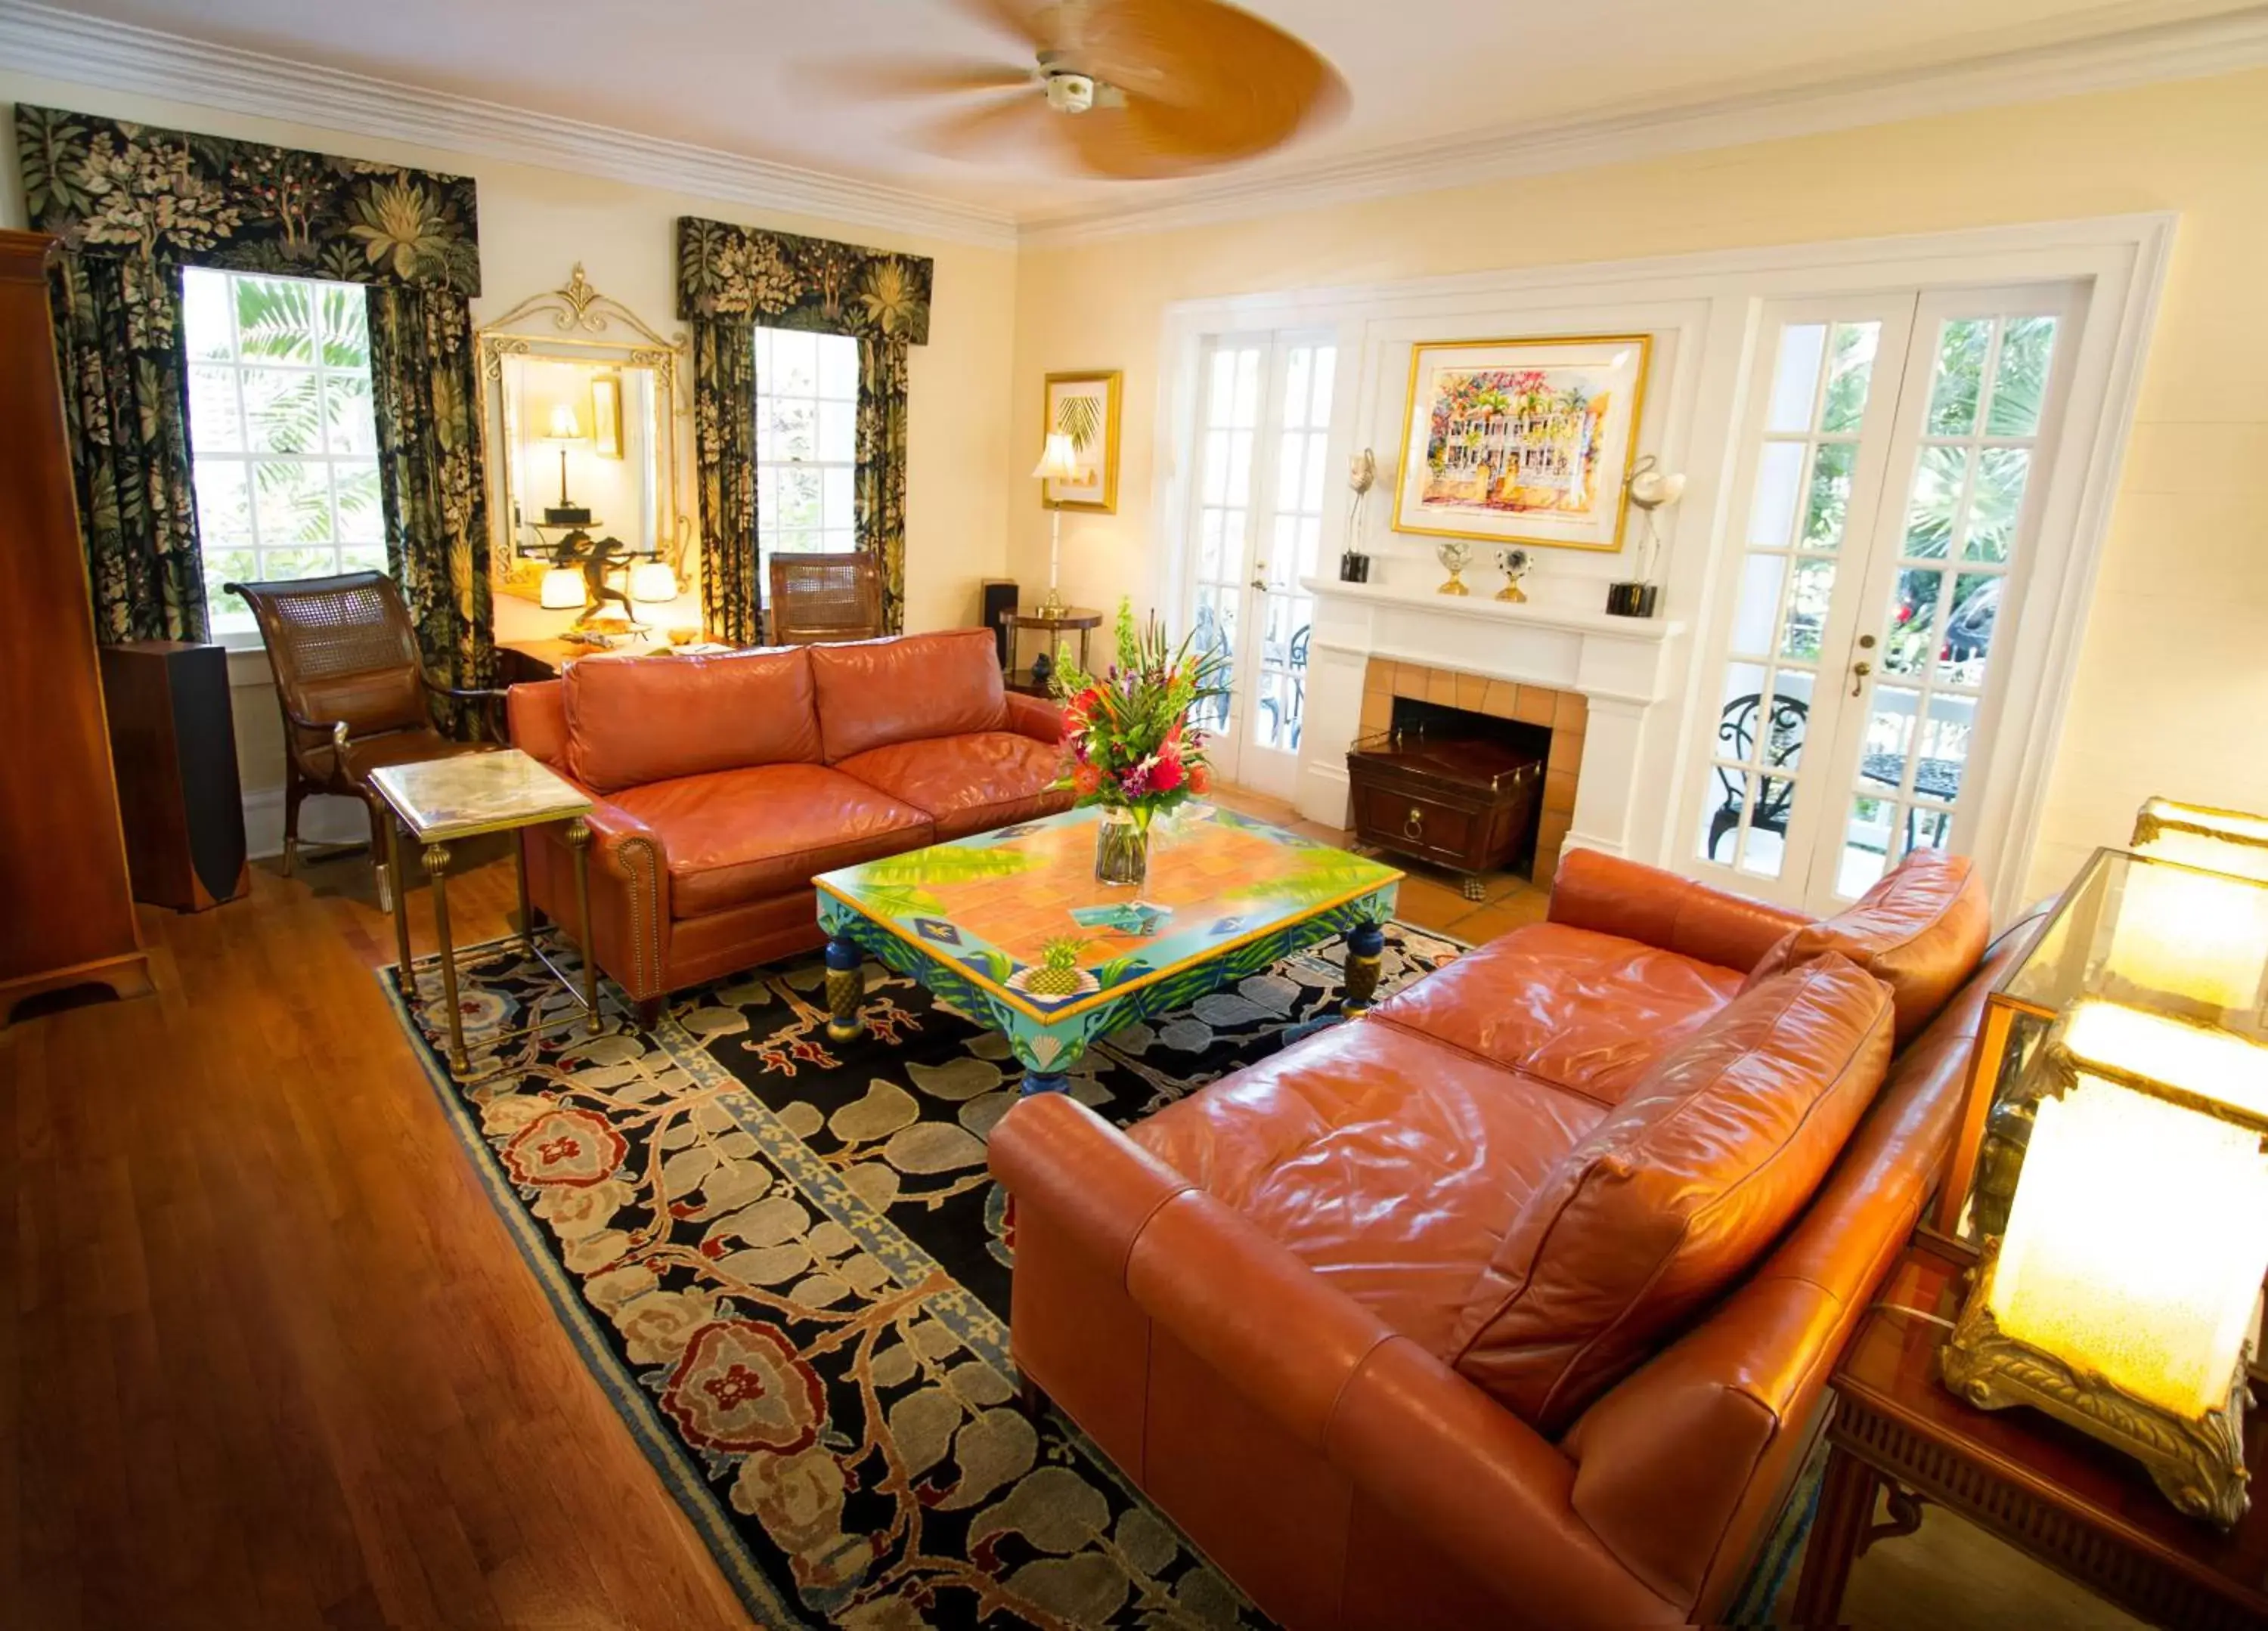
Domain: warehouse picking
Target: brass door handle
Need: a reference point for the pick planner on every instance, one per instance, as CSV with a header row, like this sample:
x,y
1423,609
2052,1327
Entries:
x,y
1258,581
1858,672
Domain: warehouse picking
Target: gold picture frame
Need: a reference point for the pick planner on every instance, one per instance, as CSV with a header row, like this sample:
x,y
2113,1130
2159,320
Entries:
x,y
1545,468
1084,405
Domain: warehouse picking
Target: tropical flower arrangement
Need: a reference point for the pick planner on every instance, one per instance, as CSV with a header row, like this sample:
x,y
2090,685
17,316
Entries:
x,y
1129,743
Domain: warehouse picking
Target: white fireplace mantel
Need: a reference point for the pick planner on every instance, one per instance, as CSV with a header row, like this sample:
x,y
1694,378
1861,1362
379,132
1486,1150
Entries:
x,y
1622,665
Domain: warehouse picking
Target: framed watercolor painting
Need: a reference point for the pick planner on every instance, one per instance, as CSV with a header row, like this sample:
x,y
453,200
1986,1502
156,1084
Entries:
x,y
1521,441
1084,407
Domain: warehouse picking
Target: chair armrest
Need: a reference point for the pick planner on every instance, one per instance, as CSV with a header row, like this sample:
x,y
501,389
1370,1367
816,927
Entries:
x,y
1644,903
491,702
1035,716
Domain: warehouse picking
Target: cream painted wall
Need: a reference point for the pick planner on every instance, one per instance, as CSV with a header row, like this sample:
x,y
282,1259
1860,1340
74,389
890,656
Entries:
x,y
535,224
2173,680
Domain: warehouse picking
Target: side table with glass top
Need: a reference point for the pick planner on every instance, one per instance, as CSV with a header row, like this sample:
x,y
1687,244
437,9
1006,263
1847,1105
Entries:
x,y
444,800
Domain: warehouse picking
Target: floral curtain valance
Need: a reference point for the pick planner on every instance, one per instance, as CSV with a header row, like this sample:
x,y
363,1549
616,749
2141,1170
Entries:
x,y
779,280
110,188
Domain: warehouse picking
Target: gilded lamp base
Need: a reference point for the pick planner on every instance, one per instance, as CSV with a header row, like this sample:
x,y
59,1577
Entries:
x,y
2196,1465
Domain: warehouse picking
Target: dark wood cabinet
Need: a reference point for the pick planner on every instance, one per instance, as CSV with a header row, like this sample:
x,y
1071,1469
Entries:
x,y
66,908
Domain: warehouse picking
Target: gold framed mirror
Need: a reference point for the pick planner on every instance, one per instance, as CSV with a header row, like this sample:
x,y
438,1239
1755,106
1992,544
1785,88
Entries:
x,y
581,404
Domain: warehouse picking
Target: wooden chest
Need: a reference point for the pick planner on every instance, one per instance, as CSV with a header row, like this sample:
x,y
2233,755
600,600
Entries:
x,y
1469,805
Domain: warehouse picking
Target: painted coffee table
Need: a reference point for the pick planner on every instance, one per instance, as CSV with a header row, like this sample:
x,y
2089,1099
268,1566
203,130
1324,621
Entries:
x,y
1010,927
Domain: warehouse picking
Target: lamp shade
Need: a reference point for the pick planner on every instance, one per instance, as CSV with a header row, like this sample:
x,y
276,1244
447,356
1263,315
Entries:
x,y
1060,462
653,581
564,426
563,589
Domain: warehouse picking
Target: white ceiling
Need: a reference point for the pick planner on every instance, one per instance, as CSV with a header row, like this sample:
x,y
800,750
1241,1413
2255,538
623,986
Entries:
x,y
751,77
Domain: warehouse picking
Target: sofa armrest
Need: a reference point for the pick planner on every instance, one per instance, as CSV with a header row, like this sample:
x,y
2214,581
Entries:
x,y
1414,1438
1644,903
1035,716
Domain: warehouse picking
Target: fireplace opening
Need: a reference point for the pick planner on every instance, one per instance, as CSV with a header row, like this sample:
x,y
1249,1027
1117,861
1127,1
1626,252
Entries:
x,y
1451,786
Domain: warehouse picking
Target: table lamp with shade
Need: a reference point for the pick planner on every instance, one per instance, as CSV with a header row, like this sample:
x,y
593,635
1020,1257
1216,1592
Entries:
x,y
1059,462
565,430
2110,1175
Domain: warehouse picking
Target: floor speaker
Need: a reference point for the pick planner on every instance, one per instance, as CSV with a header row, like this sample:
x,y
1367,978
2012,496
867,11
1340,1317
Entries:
x,y
173,741
999,596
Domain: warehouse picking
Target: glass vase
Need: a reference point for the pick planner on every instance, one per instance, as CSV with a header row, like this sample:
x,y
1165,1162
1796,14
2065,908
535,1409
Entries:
x,y
1122,846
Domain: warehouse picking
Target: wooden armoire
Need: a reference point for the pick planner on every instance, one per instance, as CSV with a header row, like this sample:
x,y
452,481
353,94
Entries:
x,y
66,906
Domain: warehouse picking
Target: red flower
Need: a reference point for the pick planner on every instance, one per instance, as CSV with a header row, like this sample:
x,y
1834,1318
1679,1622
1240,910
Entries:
x,y
1086,779
1200,780
1166,775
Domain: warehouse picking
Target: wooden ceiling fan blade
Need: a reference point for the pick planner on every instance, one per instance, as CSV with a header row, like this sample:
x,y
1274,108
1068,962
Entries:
x,y
1019,18
990,126
1205,79
915,75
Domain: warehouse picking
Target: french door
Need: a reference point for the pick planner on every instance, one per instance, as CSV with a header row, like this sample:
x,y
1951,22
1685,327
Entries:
x,y
1254,531
1892,471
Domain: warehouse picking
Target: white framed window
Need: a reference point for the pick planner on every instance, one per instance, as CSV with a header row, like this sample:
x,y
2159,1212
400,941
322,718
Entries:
x,y
806,444
283,444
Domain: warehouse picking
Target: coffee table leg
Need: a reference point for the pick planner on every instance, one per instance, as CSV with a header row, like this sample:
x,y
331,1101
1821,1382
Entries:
x,y
845,985
1365,949
436,871
1037,1082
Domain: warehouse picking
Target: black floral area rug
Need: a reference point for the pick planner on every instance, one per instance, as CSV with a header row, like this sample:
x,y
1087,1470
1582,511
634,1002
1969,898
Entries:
x,y
785,1263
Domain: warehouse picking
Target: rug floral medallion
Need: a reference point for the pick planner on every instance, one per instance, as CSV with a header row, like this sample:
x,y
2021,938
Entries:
x,y
784,1259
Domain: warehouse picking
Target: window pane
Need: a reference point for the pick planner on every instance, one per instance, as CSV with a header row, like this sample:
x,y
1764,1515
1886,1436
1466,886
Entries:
x,y
1722,815
1796,377
1788,720
1938,475
351,427
1807,610
2020,382
206,332
1849,373
1221,402
214,426
223,500
1209,556
1326,368
292,502
283,410
838,501
1318,445
1890,735
1959,376
362,509
838,432
1765,843
1910,635
342,340
795,364
1290,451
1240,467
1758,614
1296,368
276,318
228,566
1738,720
839,367
794,432
1865,846
798,496
1945,737
1968,629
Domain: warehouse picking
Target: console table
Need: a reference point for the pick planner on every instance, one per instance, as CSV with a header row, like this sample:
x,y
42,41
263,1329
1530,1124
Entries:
x,y
2054,1494
1083,619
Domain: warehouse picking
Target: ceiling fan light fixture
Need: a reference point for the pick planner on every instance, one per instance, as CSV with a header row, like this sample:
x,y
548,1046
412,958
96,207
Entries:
x,y
1069,94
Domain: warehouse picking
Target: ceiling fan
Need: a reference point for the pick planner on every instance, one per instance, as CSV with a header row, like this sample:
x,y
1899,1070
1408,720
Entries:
x,y
1132,90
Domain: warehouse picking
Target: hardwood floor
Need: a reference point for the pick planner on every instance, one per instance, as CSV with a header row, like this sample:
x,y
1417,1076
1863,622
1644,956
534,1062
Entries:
x,y
268,1359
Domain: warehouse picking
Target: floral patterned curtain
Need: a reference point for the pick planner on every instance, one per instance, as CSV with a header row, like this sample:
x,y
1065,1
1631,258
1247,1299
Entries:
x,y
134,203
724,453
879,489
426,395
730,280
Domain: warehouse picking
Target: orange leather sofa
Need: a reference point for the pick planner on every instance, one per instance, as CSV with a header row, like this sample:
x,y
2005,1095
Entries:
x,y
1513,1302
723,784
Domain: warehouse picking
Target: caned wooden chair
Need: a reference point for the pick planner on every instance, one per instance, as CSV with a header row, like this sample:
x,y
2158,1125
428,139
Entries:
x,y
353,694
816,598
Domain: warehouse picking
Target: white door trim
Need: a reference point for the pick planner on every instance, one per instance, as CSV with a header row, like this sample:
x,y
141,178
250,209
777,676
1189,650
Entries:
x,y
2124,258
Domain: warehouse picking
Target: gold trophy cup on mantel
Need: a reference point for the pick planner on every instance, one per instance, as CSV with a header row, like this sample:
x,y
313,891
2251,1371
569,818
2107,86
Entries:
x,y
1456,556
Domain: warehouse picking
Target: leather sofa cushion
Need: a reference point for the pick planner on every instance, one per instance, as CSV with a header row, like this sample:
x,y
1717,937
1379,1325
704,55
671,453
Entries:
x,y
1921,931
966,783
1390,1164
741,835
1590,1012
631,720
873,693
1672,1197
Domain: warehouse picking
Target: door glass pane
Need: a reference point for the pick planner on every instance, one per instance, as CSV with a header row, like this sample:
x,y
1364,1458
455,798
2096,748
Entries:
x,y
1959,383
1722,815
2020,382
1830,504
1795,379
1779,477
1890,735
1908,640
1968,629
1763,846
1758,614
1813,585
1744,693
1939,475
1788,722
1850,372
1945,737
1928,829
1867,838
1996,502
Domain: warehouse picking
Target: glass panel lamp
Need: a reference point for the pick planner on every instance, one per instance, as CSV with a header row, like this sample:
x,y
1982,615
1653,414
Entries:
x,y
2109,1176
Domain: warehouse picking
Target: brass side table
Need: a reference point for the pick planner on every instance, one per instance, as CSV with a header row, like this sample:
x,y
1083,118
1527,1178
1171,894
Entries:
x,y
1083,619
445,799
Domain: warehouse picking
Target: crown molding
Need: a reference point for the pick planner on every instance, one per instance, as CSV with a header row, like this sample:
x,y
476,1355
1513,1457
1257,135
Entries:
x,y
2229,43
118,56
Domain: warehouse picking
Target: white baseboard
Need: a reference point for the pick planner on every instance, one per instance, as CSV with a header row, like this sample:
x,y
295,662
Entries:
x,y
323,819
